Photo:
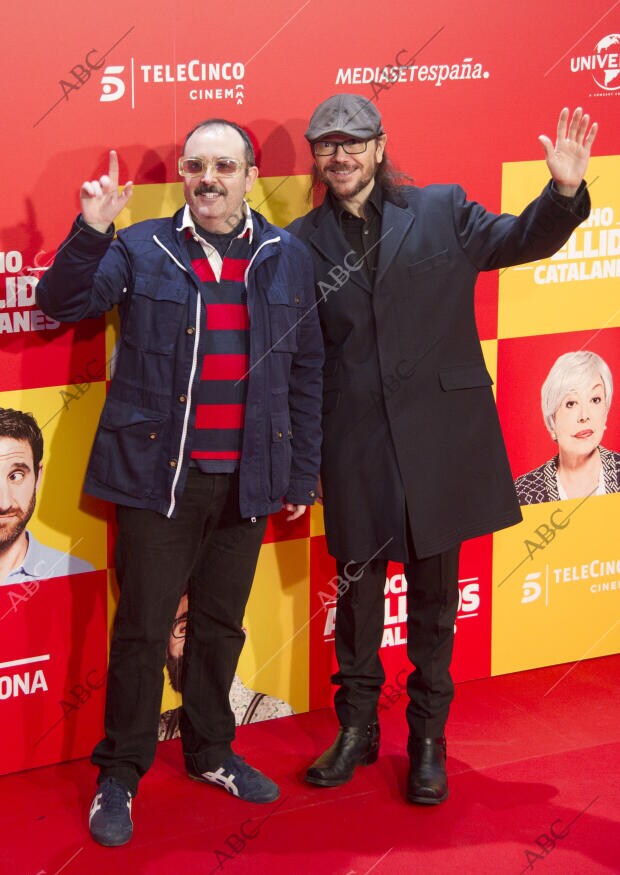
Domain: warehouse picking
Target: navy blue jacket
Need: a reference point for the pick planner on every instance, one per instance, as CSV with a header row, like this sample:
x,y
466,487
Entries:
x,y
141,452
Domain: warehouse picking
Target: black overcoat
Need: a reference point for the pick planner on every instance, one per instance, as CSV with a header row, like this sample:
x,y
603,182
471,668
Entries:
x,y
410,427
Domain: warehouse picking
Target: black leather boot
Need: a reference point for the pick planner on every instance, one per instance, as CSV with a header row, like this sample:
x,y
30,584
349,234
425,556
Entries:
x,y
353,747
428,783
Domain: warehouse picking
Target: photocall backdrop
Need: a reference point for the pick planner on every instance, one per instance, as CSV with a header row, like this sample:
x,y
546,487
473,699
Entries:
x,y
464,90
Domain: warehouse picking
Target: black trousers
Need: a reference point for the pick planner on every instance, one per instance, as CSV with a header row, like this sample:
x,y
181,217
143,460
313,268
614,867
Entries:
x,y
211,552
432,604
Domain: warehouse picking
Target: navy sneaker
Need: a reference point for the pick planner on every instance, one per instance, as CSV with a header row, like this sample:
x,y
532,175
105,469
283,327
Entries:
x,y
110,821
240,779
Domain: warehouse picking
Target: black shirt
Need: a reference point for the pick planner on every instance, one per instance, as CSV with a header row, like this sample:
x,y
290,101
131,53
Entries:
x,y
221,242
363,235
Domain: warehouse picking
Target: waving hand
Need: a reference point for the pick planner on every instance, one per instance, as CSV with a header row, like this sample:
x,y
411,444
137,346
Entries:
x,y
568,159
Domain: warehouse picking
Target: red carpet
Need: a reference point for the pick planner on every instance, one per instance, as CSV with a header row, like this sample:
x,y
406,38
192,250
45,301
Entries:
x,y
533,761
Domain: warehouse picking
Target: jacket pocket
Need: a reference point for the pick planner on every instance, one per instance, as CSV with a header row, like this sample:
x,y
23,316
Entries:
x,y
433,262
285,312
127,448
281,454
464,377
154,312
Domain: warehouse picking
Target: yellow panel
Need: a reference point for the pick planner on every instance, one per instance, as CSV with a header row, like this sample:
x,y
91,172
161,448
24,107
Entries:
x,y
489,350
64,518
280,199
112,333
578,287
154,201
557,585
275,659
317,523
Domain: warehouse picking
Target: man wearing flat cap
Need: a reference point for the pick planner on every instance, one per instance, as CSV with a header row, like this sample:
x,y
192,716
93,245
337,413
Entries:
x,y
413,457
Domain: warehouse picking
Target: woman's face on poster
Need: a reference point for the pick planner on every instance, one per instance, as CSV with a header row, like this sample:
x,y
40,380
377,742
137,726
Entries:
x,y
580,419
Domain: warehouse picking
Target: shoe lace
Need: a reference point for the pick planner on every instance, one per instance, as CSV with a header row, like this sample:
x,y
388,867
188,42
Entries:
x,y
114,797
235,763
243,771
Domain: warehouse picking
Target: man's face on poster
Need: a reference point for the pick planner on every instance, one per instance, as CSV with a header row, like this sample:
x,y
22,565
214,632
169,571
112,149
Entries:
x,y
176,643
18,488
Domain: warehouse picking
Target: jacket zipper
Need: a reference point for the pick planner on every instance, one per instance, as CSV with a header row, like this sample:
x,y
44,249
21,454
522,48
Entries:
x,y
188,405
264,243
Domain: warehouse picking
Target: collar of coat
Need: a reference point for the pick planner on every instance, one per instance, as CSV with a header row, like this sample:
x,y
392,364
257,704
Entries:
x,y
327,238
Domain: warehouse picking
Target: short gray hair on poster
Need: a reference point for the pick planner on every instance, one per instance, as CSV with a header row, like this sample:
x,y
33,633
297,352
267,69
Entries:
x,y
569,372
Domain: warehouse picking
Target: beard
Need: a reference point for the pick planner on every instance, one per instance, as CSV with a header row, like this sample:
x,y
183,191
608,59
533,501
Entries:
x,y
345,191
174,664
10,532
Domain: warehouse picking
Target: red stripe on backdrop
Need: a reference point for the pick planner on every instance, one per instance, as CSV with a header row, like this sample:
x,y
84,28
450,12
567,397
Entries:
x,y
220,415
227,317
225,367
234,269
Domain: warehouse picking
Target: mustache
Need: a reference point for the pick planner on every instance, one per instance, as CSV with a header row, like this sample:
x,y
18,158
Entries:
x,y
339,164
11,511
208,188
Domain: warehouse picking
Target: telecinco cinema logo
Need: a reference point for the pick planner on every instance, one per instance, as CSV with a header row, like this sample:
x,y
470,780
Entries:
x,y
603,64
201,80
598,576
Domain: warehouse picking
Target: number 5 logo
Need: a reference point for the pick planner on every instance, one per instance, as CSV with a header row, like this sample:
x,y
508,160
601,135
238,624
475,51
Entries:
x,y
531,588
112,86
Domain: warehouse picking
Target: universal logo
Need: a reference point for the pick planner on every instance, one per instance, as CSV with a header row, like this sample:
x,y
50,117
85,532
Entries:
x,y
603,65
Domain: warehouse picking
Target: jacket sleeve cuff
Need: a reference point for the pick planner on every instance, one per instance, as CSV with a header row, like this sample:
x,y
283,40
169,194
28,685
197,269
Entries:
x,y
301,492
84,226
579,204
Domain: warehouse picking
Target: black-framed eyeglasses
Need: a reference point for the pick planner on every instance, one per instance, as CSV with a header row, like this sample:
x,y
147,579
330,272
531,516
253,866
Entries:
x,y
323,148
196,166
179,626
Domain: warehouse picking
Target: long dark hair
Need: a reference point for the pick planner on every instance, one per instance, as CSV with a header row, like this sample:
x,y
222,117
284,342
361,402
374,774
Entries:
x,y
388,176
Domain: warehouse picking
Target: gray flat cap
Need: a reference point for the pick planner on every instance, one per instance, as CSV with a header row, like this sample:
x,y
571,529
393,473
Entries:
x,y
350,114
